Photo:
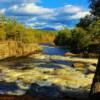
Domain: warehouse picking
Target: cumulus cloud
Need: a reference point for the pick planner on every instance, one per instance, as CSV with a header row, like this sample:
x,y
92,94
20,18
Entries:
x,y
37,16
57,18
79,15
70,9
29,8
70,12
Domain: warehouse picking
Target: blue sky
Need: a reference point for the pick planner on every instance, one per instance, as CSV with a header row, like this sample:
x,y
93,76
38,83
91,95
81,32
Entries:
x,y
46,13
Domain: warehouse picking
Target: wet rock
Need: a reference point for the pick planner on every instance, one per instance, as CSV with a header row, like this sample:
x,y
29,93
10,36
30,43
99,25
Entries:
x,y
78,65
47,91
90,76
22,85
44,83
70,54
92,68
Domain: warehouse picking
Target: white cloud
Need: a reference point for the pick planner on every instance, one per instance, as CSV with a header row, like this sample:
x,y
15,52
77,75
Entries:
x,y
79,15
37,24
70,9
46,17
32,19
30,8
2,11
59,17
72,12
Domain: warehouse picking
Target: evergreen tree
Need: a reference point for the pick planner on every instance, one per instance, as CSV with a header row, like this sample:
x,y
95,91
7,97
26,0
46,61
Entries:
x,y
95,8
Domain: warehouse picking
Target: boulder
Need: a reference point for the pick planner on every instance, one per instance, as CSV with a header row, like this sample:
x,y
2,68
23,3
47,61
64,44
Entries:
x,y
46,91
78,65
70,54
92,68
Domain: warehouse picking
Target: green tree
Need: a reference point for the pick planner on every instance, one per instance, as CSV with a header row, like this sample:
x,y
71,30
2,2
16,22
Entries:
x,y
80,39
94,29
2,28
85,22
95,8
63,37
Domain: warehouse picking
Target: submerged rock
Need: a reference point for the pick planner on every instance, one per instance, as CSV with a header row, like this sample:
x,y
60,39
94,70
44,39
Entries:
x,y
48,91
55,92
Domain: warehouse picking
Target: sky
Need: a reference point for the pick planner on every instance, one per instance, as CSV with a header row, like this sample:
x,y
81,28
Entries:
x,y
42,14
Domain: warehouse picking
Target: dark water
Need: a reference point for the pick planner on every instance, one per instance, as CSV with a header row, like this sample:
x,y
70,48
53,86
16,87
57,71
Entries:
x,y
5,87
50,50
53,50
63,62
8,87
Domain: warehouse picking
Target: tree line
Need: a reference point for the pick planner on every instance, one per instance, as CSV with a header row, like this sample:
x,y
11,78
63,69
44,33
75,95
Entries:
x,y
85,37
10,29
19,40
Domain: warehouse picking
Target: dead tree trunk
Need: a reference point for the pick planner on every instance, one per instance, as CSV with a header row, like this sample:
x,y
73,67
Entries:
x,y
95,88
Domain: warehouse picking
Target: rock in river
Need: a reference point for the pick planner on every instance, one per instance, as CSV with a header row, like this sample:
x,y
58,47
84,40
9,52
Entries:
x,y
47,91
78,65
70,54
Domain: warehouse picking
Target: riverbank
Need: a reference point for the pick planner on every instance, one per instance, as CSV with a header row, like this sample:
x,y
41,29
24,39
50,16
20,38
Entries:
x,y
19,73
12,48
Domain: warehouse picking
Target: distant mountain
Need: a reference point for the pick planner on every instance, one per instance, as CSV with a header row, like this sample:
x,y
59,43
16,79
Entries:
x,y
48,28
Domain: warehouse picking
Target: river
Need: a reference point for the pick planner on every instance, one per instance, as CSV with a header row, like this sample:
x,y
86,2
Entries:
x,y
51,50
42,64
47,49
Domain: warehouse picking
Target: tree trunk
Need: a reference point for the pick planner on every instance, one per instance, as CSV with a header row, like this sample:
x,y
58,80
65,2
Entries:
x,y
95,88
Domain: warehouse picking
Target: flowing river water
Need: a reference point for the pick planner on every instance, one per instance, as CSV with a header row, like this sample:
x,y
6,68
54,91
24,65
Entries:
x,y
47,49
13,88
